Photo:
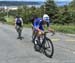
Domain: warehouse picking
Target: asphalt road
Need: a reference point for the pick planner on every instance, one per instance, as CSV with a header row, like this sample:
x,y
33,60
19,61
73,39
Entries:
x,y
13,50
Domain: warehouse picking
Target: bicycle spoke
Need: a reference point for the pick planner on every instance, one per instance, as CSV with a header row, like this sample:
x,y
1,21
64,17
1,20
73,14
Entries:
x,y
49,48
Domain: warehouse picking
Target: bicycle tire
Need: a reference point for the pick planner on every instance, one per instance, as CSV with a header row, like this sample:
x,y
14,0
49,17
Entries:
x,y
19,32
49,43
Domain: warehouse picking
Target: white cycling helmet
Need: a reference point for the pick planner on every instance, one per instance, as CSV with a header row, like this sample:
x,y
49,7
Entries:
x,y
46,18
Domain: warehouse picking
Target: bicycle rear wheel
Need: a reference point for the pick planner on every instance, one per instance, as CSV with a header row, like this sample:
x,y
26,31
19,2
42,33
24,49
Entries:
x,y
49,48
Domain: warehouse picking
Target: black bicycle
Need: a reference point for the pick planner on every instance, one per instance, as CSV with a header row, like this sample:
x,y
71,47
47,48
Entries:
x,y
44,45
19,30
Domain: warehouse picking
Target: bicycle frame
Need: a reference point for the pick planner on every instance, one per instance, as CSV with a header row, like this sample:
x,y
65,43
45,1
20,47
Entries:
x,y
42,47
44,35
44,39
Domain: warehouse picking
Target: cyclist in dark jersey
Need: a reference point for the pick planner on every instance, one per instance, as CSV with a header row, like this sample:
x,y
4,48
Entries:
x,y
32,24
19,25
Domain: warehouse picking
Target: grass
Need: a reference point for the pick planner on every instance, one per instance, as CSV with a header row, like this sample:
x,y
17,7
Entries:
x,y
60,28
64,28
10,19
28,25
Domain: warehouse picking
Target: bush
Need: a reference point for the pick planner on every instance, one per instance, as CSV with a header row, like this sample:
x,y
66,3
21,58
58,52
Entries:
x,y
2,19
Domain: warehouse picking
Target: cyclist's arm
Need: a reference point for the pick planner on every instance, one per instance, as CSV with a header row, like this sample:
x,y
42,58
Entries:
x,y
49,28
21,21
48,25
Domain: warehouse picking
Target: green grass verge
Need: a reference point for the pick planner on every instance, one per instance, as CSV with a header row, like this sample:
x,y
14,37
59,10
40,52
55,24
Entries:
x,y
28,25
64,28
59,28
9,19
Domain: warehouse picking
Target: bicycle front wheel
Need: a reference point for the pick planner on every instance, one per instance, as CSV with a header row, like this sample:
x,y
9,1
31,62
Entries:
x,y
49,48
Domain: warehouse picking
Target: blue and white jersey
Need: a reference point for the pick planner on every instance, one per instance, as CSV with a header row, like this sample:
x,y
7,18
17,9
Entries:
x,y
38,23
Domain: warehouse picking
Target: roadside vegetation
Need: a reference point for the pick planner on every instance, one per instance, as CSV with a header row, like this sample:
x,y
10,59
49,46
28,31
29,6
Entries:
x,y
64,28
62,18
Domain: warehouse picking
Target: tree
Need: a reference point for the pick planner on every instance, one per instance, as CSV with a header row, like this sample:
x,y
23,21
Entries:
x,y
50,8
13,13
42,10
25,13
72,10
72,4
67,18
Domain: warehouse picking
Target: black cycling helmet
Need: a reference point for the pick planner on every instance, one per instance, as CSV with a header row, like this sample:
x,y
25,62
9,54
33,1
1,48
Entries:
x,y
17,16
33,17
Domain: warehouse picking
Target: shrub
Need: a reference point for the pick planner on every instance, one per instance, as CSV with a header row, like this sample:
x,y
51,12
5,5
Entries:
x,y
2,19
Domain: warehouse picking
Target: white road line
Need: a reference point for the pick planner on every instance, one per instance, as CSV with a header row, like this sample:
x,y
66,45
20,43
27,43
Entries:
x,y
67,40
55,39
70,40
71,34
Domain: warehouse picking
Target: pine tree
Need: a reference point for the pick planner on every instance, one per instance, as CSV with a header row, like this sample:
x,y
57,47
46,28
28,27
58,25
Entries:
x,y
72,4
50,8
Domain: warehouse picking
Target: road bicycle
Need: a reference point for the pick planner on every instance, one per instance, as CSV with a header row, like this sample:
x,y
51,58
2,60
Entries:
x,y
44,45
19,30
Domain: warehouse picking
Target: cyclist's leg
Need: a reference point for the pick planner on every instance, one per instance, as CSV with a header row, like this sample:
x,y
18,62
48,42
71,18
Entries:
x,y
38,33
34,38
20,32
17,29
40,37
33,32
41,32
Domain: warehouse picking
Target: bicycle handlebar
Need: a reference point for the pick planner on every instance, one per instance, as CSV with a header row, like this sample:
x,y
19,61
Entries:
x,y
49,32
46,32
